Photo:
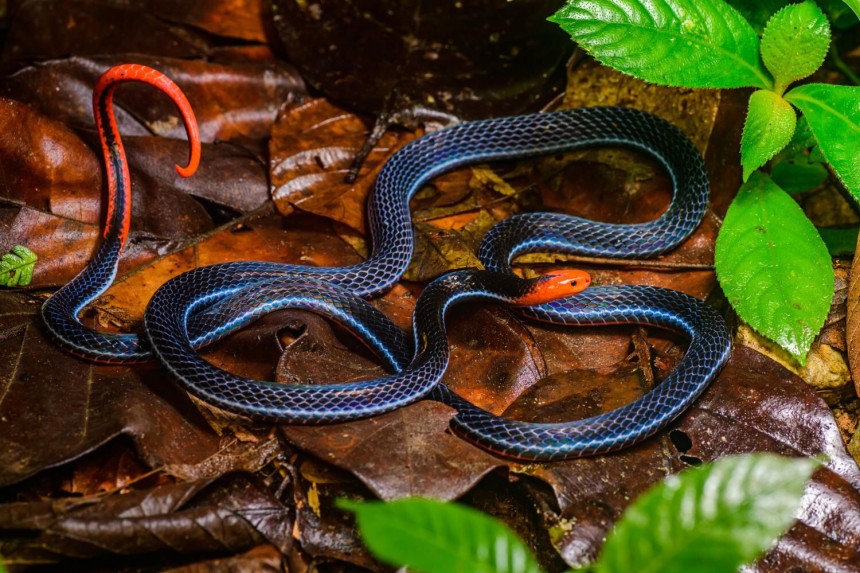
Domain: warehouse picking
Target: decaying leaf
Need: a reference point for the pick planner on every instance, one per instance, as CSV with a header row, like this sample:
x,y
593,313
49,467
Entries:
x,y
55,407
230,514
852,326
429,462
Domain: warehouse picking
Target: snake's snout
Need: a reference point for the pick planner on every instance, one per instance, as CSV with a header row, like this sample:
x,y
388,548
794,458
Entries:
x,y
554,285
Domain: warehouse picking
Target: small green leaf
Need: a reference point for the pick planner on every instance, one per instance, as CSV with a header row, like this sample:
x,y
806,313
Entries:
x,y
773,266
795,42
710,519
855,6
16,267
689,43
768,128
430,536
833,114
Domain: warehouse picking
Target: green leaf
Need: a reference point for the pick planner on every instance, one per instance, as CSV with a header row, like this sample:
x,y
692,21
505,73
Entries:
x,y
689,43
855,6
773,266
430,536
768,128
795,42
16,267
840,242
710,519
833,114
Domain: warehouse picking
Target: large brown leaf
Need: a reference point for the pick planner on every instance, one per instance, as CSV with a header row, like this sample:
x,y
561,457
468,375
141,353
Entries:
x,y
852,327
55,407
235,101
420,459
53,197
230,514
312,147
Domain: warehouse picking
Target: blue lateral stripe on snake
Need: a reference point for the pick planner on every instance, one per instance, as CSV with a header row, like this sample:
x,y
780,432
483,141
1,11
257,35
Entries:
x,y
180,307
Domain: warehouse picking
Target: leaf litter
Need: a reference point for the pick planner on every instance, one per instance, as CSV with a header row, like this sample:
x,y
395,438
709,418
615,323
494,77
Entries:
x,y
104,463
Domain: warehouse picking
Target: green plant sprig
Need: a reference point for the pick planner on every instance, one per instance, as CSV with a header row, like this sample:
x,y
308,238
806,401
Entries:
x,y
716,44
16,267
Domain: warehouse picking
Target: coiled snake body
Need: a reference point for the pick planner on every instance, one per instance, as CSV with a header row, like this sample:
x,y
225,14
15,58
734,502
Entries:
x,y
207,303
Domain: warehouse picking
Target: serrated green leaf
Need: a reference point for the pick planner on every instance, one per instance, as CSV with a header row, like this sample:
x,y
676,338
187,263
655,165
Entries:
x,y
833,114
768,128
430,536
773,266
16,267
795,42
709,519
689,43
802,139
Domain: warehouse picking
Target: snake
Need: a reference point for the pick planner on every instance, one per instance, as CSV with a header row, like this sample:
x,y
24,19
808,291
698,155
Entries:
x,y
207,303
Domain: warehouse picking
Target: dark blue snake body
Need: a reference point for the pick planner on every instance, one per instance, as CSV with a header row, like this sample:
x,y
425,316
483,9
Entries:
x,y
709,348
207,303
416,371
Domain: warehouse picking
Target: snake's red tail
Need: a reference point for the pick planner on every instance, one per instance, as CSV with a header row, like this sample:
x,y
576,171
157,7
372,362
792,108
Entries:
x,y
119,189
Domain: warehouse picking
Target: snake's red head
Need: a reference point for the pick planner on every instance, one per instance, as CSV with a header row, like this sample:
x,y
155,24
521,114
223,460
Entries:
x,y
557,284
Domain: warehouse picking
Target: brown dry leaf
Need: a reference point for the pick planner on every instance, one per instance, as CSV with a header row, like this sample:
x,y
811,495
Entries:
x,y
312,148
400,454
230,514
235,101
229,177
327,534
54,193
439,250
63,246
55,407
43,30
852,323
